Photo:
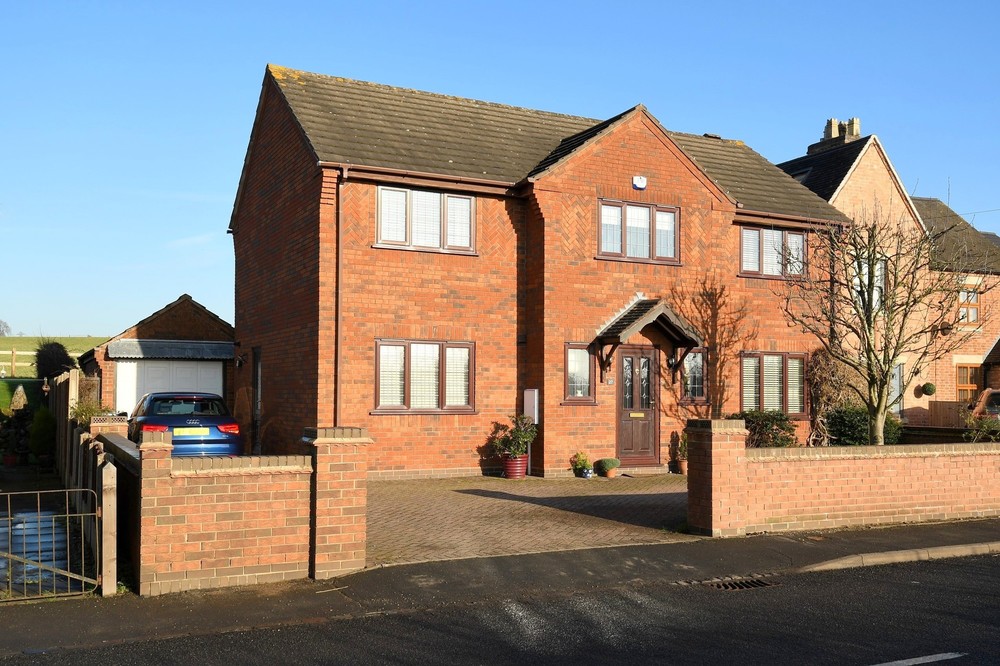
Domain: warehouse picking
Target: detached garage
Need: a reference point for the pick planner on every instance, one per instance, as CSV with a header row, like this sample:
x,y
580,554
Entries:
x,y
183,347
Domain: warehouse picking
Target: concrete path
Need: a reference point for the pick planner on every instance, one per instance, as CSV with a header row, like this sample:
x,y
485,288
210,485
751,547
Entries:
x,y
447,519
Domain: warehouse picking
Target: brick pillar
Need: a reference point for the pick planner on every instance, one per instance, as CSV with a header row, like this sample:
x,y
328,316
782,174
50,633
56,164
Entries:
x,y
338,529
109,425
155,467
717,477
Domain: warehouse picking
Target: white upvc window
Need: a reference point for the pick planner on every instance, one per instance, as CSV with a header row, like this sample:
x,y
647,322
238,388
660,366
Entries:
x,y
422,219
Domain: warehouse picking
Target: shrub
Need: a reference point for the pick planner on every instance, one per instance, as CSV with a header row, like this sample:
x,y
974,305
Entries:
x,y
981,428
604,464
929,388
580,462
52,359
767,429
84,411
848,426
42,437
514,439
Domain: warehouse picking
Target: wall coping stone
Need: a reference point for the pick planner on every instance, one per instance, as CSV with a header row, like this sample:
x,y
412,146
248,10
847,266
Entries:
x,y
717,425
861,452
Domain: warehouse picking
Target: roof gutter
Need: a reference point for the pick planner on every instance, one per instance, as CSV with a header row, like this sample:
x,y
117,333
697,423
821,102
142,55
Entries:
x,y
780,219
411,177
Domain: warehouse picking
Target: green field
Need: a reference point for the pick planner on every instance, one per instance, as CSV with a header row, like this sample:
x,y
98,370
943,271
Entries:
x,y
23,344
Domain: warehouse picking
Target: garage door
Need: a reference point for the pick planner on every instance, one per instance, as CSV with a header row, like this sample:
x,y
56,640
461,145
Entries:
x,y
133,379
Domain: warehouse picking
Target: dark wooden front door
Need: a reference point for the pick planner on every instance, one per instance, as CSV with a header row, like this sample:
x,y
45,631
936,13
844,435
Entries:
x,y
638,434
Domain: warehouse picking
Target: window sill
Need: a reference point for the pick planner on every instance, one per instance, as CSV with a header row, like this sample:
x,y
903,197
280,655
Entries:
x,y
578,403
422,412
638,260
694,402
763,276
432,250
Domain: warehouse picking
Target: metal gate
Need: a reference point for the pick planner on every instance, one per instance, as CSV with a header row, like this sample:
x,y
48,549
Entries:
x,y
49,544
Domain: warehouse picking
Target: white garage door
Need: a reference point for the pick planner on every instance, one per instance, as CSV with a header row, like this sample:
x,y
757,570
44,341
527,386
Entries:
x,y
133,379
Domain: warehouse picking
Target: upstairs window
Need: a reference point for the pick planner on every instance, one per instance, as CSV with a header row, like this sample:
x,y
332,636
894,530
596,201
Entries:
x,y
869,288
425,220
772,252
968,306
639,232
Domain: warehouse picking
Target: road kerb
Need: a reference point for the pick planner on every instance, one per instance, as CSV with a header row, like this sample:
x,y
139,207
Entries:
x,y
898,556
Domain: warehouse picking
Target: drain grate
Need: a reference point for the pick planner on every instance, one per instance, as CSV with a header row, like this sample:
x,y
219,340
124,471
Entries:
x,y
744,584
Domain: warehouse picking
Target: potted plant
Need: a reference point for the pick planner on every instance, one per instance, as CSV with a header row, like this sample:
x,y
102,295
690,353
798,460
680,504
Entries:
x,y
581,465
511,443
682,454
607,467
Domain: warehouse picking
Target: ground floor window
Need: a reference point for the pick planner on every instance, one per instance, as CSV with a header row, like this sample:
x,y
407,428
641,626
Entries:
x,y
774,382
424,376
694,386
968,382
579,373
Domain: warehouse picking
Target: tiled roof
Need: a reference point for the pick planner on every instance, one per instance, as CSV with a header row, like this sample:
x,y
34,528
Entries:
x,y
753,181
958,244
369,124
826,170
647,311
374,125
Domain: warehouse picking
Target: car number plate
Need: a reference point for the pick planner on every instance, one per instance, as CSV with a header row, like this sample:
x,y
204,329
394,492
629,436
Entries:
x,y
191,431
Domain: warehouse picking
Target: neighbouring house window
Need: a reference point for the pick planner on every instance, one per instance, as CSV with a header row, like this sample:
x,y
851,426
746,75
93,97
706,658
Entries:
x,y
774,382
865,283
896,389
424,376
425,220
969,382
693,376
639,232
772,252
968,302
579,373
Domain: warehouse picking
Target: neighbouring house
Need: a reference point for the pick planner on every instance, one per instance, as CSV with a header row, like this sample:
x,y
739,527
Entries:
x,y
424,265
854,173
182,347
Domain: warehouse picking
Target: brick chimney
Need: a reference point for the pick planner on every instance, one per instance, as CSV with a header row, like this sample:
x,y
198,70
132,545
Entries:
x,y
836,134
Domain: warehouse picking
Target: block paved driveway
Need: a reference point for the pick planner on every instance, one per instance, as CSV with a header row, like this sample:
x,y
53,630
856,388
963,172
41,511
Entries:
x,y
443,519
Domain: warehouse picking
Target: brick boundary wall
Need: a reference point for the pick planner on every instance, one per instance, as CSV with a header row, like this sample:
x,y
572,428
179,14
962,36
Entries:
x,y
215,522
733,490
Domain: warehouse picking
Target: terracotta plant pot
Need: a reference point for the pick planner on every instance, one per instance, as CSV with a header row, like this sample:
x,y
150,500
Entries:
x,y
610,473
515,467
682,466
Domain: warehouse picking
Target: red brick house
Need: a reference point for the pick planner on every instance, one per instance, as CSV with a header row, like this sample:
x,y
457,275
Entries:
x,y
181,347
415,263
854,173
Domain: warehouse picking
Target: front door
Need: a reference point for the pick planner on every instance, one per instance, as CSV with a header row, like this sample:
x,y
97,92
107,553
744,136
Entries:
x,y
638,434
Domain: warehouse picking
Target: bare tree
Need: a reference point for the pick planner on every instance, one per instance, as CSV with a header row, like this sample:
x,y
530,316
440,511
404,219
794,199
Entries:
x,y
4,329
876,292
726,328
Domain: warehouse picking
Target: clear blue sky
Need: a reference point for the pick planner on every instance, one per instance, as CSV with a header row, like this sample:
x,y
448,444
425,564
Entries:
x,y
123,125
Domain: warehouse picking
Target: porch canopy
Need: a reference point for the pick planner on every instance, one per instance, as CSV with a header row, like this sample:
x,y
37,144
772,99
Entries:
x,y
639,315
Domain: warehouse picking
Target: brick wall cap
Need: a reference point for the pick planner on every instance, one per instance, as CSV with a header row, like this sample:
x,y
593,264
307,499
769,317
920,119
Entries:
x,y
716,425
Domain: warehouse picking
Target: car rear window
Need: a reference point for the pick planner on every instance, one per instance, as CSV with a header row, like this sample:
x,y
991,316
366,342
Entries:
x,y
993,403
188,406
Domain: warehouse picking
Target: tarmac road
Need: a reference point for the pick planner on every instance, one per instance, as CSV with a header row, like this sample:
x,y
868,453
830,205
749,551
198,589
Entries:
x,y
944,611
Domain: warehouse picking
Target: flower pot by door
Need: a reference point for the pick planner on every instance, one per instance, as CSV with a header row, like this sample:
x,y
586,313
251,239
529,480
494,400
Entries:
x,y
682,466
610,473
515,467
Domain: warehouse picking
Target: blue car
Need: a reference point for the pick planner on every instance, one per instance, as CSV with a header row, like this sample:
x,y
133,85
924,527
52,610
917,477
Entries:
x,y
200,423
